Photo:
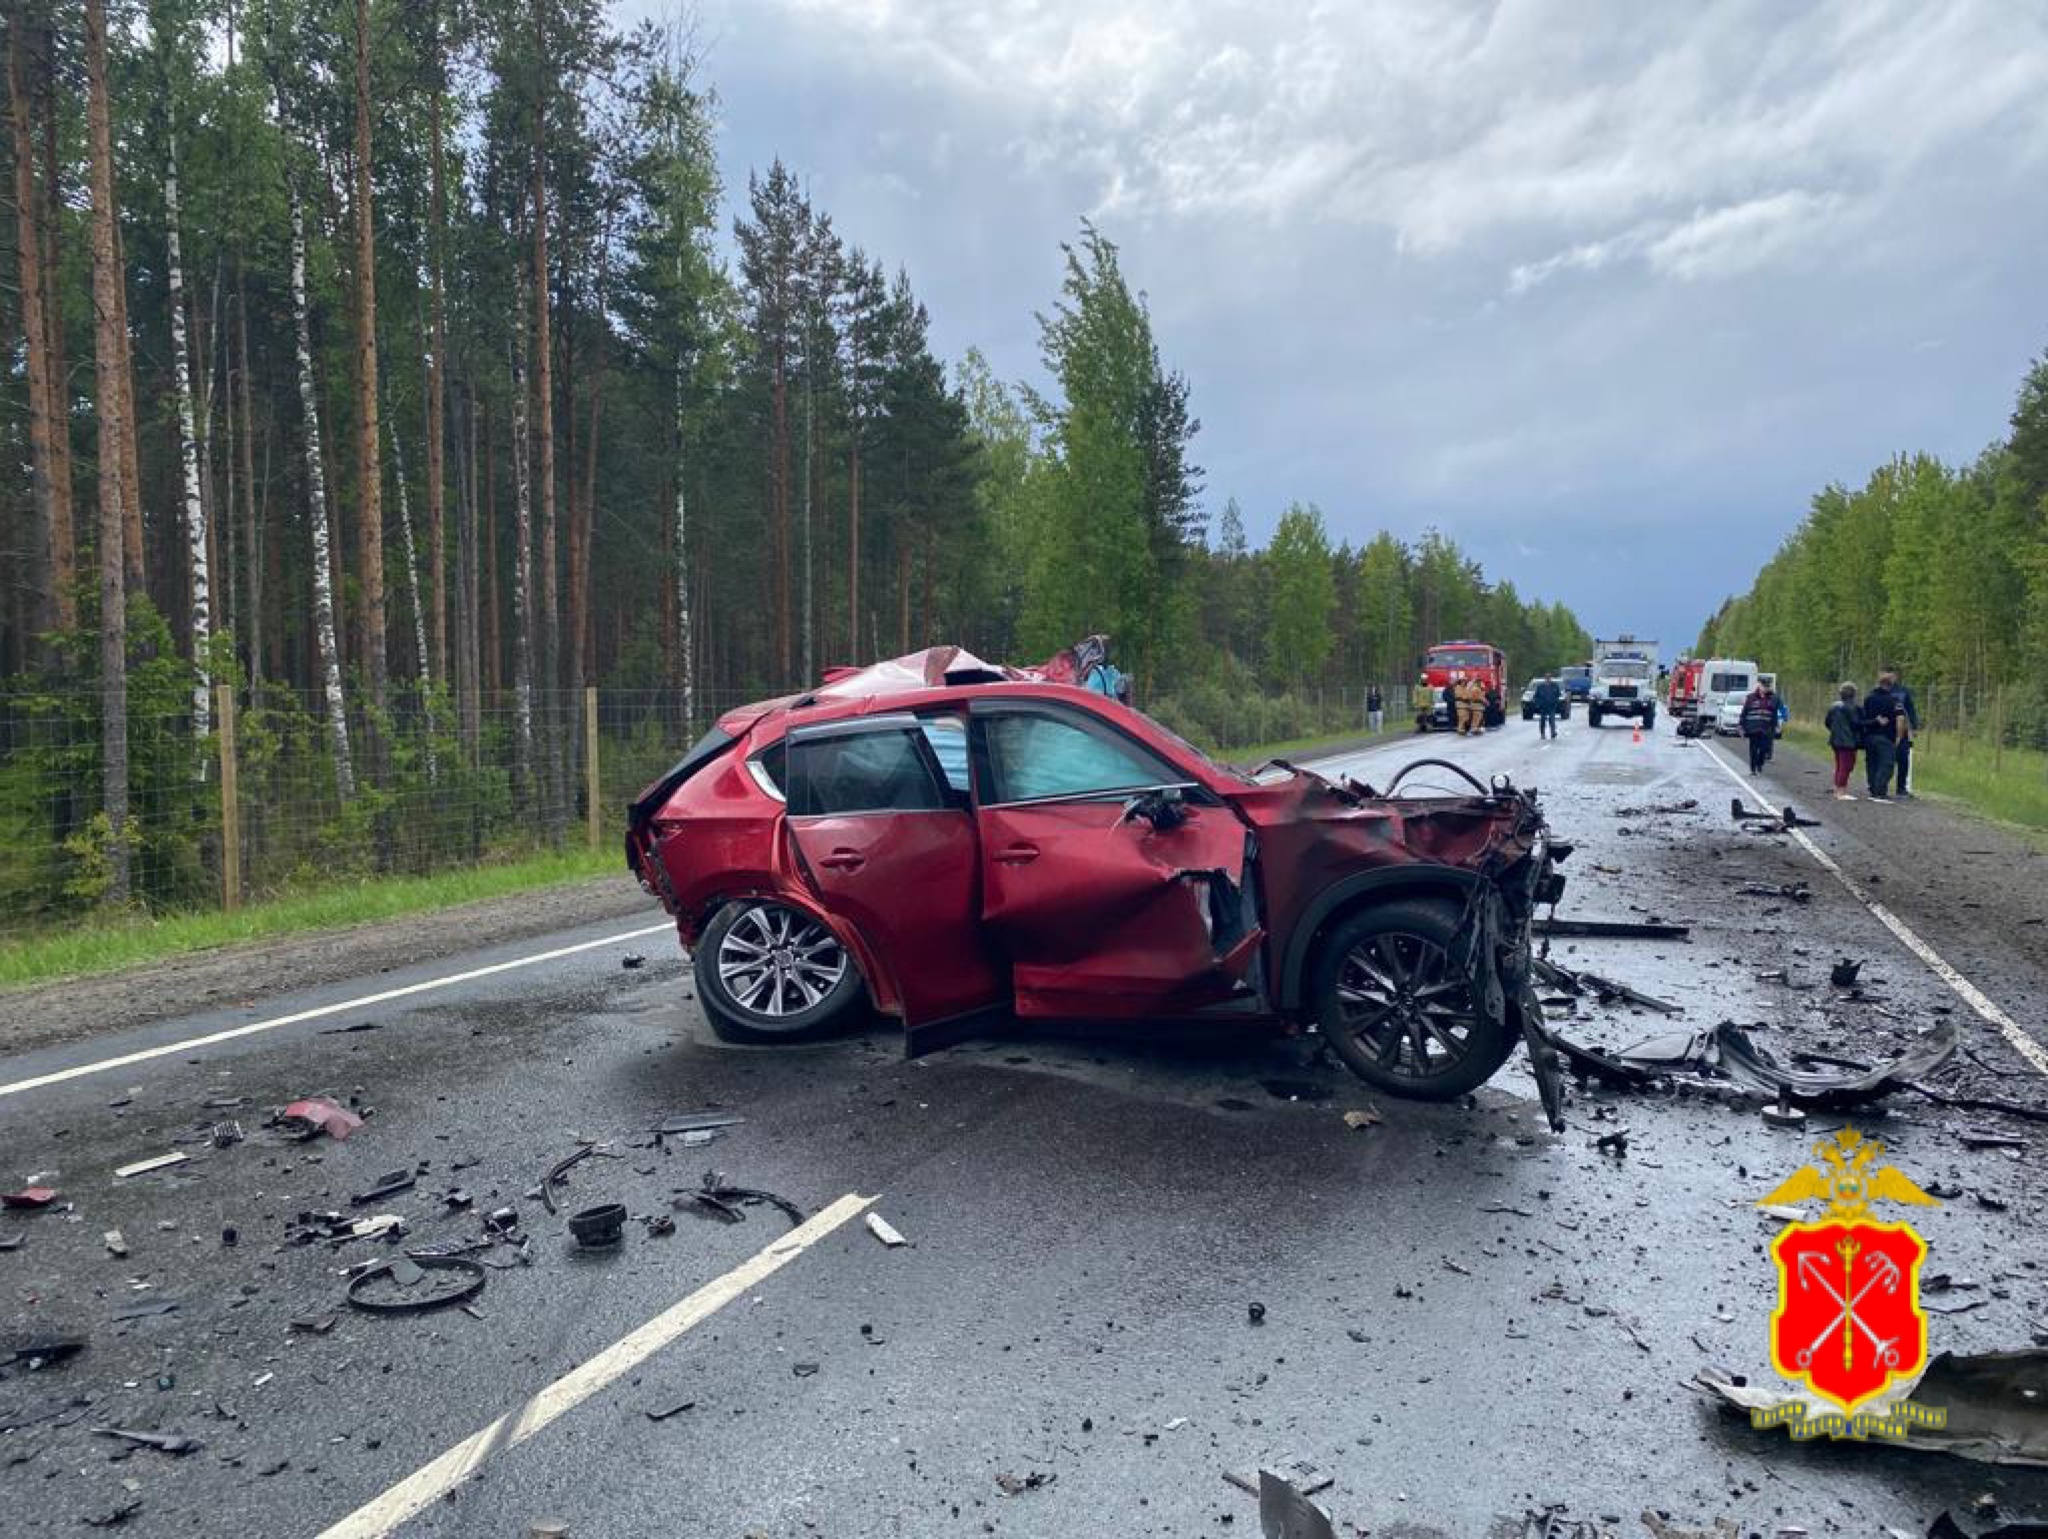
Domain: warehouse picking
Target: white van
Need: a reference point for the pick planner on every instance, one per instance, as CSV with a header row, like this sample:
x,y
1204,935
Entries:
x,y
1724,682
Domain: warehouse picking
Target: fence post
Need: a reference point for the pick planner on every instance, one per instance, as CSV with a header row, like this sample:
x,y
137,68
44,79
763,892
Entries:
x,y
592,816
230,802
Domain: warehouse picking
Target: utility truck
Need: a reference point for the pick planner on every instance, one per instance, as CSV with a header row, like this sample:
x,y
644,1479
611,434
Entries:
x,y
1624,681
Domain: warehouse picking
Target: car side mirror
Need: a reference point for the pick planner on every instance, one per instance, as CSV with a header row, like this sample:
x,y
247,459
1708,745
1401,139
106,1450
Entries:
x,y
1163,809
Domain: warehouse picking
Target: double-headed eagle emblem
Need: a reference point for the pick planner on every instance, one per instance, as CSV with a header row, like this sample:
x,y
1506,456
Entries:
x,y
1849,1178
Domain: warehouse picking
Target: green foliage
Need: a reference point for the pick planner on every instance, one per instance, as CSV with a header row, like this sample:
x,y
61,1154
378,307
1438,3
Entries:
x,y
1298,636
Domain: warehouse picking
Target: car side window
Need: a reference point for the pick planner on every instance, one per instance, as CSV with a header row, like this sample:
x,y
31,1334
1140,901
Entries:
x,y
882,770
948,738
1032,756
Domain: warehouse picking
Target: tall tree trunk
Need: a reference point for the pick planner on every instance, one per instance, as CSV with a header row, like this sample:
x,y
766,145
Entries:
x,y
324,640
685,660
522,558
58,372
467,722
492,670
902,595
110,357
853,548
810,468
437,313
550,654
53,559
369,480
583,511
200,573
778,512
423,658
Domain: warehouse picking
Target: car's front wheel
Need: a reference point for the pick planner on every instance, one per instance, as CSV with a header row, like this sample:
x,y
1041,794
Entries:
x,y
767,972
1396,1007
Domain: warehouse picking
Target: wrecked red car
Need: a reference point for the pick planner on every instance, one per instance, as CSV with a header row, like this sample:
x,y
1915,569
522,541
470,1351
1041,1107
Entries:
x,y
956,843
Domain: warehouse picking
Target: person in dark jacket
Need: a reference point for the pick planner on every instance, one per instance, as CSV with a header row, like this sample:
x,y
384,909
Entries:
x,y
1911,712
1545,702
1759,722
1375,708
1882,719
1845,736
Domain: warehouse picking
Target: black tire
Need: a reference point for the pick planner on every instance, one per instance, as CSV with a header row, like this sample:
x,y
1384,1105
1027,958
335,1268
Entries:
x,y
1391,1005
767,972
1592,715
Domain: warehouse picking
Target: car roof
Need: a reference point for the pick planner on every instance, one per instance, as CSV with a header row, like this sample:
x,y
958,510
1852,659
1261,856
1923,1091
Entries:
x,y
901,697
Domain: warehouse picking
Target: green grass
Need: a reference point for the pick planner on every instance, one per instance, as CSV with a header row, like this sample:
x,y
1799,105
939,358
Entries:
x,y
105,946
1295,746
2008,787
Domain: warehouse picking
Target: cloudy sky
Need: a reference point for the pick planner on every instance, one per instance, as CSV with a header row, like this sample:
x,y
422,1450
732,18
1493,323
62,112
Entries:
x,y
1603,290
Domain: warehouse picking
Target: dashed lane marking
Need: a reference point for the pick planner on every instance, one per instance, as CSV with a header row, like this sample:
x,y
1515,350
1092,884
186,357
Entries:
x,y
317,1012
431,1482
1967,991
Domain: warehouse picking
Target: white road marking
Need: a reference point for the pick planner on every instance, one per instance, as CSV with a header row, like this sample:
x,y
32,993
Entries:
x,y
1969,993
431,1482
383,996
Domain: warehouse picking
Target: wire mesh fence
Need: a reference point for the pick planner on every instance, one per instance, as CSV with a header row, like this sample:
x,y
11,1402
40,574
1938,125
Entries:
x,y
268,792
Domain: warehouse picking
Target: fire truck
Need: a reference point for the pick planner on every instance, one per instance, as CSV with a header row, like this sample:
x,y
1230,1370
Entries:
x,y
1684,696
1451,662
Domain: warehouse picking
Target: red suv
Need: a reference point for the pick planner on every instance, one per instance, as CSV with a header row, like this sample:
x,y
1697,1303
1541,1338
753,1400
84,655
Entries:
x,y
979,847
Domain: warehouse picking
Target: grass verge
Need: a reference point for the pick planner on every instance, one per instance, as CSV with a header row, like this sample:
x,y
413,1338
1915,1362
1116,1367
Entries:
x,y
1295,747
2009,786
108,945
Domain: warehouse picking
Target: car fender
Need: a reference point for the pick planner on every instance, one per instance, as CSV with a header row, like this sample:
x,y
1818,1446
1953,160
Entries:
x,y
1426,880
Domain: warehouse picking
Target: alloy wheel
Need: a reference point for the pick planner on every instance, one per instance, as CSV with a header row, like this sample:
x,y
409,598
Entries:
x,y
1405,1004
776,961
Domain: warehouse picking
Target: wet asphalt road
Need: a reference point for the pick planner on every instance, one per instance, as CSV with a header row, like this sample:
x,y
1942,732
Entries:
x,y
1465,1316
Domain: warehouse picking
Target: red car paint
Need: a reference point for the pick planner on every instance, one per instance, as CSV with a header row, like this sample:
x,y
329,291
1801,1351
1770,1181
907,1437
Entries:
x,y
1058,906
1685,687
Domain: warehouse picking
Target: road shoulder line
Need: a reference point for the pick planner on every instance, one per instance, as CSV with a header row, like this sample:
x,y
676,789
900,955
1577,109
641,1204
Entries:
x,y
317,1012
439,1478
1965,990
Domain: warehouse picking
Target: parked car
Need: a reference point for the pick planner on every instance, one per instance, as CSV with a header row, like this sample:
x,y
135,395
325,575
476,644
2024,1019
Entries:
x,y
954,845
1724,681
1564,705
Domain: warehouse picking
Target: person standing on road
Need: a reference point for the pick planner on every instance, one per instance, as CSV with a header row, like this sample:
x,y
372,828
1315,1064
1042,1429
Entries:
x,y
1548,697
1375,708
1909,712
1759,722
1845,736
1882,719
1471,708
1422,699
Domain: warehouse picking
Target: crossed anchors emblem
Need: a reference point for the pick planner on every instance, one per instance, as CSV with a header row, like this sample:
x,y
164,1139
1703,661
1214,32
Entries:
x,y
1847,1276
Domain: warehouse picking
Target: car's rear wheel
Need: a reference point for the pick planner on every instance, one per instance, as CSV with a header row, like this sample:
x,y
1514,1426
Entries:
x,y
767,972
1396,1007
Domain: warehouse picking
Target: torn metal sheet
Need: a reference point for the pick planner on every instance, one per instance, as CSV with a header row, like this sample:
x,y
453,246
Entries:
x,y
1996,1404
162,1442
885,1231
1743,1059
1606,990
30,1197
1284,1513
1305,1475
677,1123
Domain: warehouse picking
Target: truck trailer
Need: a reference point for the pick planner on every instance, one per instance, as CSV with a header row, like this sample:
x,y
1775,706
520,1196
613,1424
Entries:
x,y
1624,681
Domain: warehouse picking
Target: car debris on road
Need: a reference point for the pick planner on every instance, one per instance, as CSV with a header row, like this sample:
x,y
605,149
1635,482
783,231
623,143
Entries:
x,y
314,1115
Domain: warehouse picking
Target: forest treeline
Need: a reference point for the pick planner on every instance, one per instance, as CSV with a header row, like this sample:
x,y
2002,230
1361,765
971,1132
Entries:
x,y
1939,569
405,365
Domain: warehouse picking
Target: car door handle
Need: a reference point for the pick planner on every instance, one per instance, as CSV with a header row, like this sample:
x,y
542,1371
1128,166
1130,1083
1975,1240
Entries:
x,y
844,860
1019,854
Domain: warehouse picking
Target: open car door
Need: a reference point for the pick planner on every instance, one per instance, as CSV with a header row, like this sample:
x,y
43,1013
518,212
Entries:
x,y
1112,882
887,838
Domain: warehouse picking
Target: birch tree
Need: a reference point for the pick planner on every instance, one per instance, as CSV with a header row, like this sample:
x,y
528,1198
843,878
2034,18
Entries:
x,y
197,563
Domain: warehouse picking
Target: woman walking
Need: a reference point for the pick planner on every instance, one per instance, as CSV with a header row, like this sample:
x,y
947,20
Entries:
x,y
1845,734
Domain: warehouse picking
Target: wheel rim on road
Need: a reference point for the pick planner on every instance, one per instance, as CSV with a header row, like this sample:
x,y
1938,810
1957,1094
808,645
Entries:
x,y
1405,1004
775,961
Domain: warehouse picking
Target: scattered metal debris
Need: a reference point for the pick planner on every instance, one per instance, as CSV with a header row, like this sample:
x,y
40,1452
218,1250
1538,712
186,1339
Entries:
x,y
1611,929
1844,973
1615,1143
1255,1312
669,1408
120,1513
155,1162
143,1310
30,1197
314,1115
315,1325
724,1201
1360,1120
1556,1522
1997,1404
162,1442
408,1299
632,960
885,1231
45,1354
563,1166
1791,892
388,1185
1606,990
1285,1513
117,1245
1744,1059
1305,1475
601,1227
349,1031
1015,1485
